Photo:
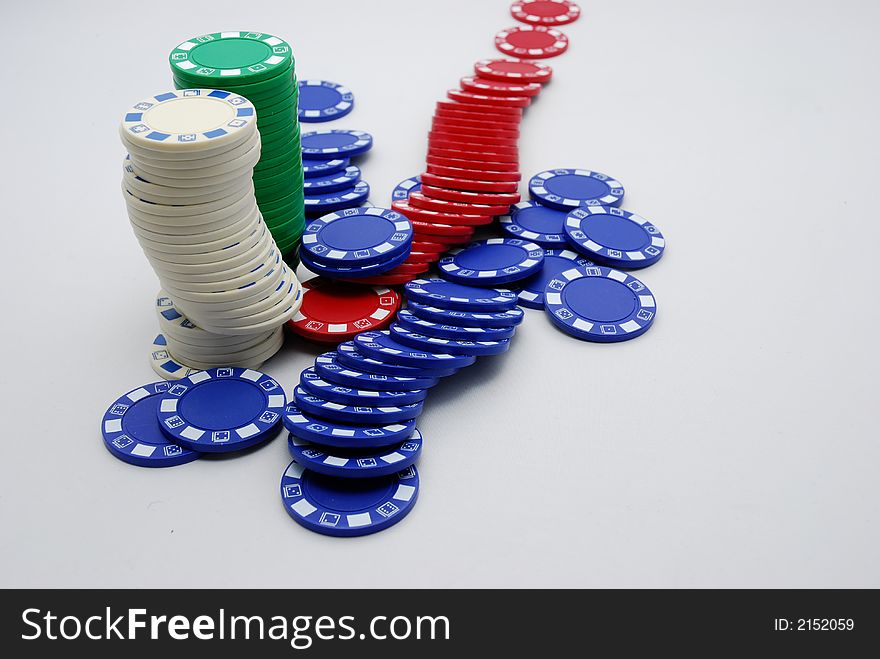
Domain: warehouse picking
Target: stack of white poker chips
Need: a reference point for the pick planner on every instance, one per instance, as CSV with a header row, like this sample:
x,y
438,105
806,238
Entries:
x,y
187,185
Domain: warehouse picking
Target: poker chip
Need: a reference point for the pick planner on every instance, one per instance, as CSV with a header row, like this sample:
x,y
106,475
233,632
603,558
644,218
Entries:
x,y
468,185
472,164
498,113
413,323
445,134
354,414
450,295
329,368
472,152
455,206
501,319
360,273
451,346
330,144
542,225
255,56
599,304
385,280
493,261
381,346
356,463
358,237
131,430
316,386
481,123
345,178
321,100
426,257
326,432
567,189
556,261
465,96
335,312
499,201
545,12
221,409
320,202
313,168
490,87
531,41
422,215
474,174
463,143
348,506
428,247
513,70
614,237
446,232
402,190
348,355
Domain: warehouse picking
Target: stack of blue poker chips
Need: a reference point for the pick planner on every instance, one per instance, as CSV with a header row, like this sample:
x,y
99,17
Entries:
x,y
332,183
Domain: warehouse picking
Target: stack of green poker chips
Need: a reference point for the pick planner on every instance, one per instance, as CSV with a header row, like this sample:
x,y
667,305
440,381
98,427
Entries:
x,y
261,68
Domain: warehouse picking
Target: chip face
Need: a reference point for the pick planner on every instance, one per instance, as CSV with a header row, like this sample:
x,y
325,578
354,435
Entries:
x,y
567,189
531,41
356,463
244,57
614,237
513,70
322,100
493,261
545,12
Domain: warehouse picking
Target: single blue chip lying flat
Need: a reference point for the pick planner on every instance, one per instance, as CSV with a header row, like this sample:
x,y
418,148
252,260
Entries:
x,y
407,185
353,462
502,319
383,347
451,346
493,261
327,202
330,368
599,304
328,144
555,262
322,100
567,189
334,433
354,272
413,323
221,409
313,384
542,225
348,507
312,168
131,430
348,355
614,237
346,178
357,414
449,295
358,237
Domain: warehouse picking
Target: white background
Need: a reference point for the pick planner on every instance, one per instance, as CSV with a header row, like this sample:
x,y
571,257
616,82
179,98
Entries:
x,y
735,444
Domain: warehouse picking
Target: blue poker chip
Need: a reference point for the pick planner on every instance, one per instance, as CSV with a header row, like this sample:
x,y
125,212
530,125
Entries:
x,y
555,262
347,354
382,346
466,318
567,189
312,168
542,225
353,462
614,237
346,507
330,368
328,144
322,100
449,295
327,202
222,409
346,178
358,237
600,304
429,328
131,430
401,190
334,433
451,346
493,261
356,414
335,393
356,272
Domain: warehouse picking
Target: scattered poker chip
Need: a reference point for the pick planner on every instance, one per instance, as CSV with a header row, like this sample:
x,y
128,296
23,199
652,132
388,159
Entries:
x,y
493,261
348,355
449,295
327,202
472,164
542,225
418,341
317,386
347,507
357,272
465,96
164,364
221,409
614,237
357,237
429,328
401,190
428,247
531,41
131,430
490,87
354,414
329,368
345,178
326,432
321,100
474,174
468,185
513,70
567,189
383,347
240,57
422,215
455,206
599,304
556,261
313,168
329,144
545,12
356,463
501,319
335,312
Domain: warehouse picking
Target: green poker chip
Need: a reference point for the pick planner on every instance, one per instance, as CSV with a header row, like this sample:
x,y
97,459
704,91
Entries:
x,y
231,57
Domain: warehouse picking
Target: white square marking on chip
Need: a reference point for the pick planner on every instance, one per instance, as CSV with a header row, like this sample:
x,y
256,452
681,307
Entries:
x,y
647,301
303,508
137,394
582,325
361,519
168,405
276,400
113,425
193,434
630,326
339,432
335,461
294,470
230,35
251,375
143,450
249,430
201,376
392,458
404,492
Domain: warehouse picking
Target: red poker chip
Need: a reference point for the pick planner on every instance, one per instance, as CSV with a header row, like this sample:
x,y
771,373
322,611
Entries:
x,y
489,87
478,114
531,41
408,268
445,142
420,257
494,200
334,312
383,280
513,70
421,200
476,174
464,96
545,12
428,247
474,127
436,217
473,164
449,134
470,185
511,113
468,153
446,233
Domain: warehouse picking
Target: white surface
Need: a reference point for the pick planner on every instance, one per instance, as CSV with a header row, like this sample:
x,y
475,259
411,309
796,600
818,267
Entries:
x,y
732,445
